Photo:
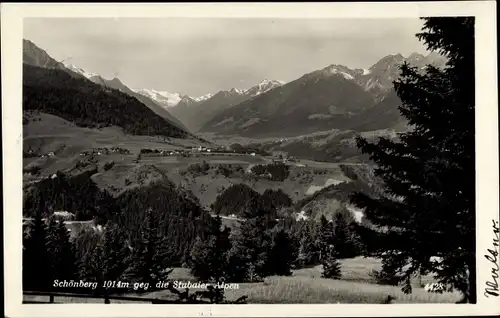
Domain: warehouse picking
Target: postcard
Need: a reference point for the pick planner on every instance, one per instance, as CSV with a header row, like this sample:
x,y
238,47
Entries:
x,y
250,159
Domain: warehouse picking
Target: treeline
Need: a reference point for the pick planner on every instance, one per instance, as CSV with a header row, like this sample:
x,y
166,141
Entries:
x,y
316,239
179,212
180,217
226,170
90,105
100,257
238,198
151,229
262,246
76,194
256,250
275,171
340,192
147,150
247,149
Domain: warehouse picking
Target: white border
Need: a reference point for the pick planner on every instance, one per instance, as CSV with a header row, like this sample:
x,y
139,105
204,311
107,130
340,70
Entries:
x,y
486,146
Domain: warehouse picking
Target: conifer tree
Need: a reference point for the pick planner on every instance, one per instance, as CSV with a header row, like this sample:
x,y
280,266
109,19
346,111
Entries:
x,y
88,249
151,255
343,238
331,266
209,258
325,237
426,219
115,254
37,271
61,251
280,256
309,249
248,256
198,259
53,245
108,261
91,267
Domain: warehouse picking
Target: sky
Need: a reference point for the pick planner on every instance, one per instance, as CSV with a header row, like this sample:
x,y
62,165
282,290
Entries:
x,y
196,56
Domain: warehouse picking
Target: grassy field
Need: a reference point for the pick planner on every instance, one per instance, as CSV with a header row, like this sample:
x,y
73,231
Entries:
x,y
307,287
304,286
53,134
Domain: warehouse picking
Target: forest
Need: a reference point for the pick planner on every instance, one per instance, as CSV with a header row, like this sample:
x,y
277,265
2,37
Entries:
x,y
150,229
423,207
87,104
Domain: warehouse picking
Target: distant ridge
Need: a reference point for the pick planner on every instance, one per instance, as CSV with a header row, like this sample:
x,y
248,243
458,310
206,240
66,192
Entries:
x,y
195,113
335,97
67,92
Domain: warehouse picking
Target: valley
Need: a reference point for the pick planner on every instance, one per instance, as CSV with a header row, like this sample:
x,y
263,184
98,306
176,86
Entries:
x,y
147,180
56,145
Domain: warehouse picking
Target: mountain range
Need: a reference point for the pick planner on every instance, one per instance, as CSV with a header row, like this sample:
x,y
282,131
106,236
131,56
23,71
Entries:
x,y
75,95
335,97
167,99
194,114
35,56
115,83
87,104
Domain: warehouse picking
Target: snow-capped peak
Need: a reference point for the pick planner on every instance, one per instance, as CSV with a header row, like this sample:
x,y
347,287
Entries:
x,y
264,86
202,98
338,70
271,82
237,91
164,98
80,71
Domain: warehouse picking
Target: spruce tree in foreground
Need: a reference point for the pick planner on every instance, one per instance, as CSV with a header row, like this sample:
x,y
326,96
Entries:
x,y
344,238
280,256
209,257
429,207
114,254
331,266
309,250
91,268
107,261
151,255
61,251
37,271
248,255
325,237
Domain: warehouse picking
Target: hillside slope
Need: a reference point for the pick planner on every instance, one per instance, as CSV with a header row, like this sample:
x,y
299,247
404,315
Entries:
x,y
196,113
335,97
320,100
87,104
35,56
115,83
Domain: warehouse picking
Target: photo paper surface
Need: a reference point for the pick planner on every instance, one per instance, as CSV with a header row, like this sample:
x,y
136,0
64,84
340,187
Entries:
x,y
244,159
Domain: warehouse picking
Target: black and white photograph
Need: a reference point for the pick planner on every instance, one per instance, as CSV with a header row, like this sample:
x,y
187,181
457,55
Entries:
x,y
252,160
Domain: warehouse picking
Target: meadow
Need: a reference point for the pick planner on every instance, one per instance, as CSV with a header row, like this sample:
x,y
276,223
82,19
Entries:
x,y
306,286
